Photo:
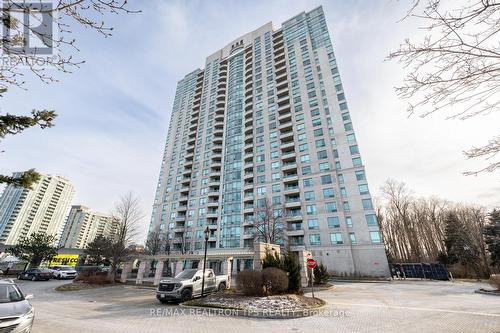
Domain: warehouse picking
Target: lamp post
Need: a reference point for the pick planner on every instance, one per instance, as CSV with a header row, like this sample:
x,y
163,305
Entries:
x,y
207,235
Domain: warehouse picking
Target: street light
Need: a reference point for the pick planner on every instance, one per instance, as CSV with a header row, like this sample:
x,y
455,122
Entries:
x,y
207,235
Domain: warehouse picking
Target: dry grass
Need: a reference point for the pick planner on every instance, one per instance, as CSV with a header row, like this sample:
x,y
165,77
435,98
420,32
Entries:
x,y
75,286
93,277
255,303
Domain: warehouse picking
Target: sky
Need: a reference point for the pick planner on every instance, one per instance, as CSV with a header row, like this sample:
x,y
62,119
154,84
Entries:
x,y
114,110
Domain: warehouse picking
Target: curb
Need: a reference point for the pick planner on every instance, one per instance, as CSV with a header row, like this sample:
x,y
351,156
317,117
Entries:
x,y
292,314
84,289
362,281
487,292
318,288
145,287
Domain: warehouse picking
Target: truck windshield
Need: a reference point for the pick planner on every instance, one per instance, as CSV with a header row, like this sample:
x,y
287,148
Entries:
x,y
186,274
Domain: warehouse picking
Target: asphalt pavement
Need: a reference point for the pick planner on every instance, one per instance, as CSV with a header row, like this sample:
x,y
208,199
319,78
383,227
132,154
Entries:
x,y
413,306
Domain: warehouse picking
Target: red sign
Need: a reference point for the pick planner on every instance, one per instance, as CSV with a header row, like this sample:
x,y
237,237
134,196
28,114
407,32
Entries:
x,y
311,263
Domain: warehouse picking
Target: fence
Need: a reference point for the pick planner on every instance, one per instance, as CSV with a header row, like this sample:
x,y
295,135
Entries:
x,y
425,271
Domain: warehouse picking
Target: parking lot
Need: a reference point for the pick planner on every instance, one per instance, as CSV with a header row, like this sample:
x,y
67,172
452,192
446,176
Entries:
x,y
426,306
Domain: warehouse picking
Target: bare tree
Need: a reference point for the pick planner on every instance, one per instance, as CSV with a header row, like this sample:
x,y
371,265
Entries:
x,y
52,24
415,229
456,66
474,220
396,221
168,242
62,15
269,221
155,242
128,214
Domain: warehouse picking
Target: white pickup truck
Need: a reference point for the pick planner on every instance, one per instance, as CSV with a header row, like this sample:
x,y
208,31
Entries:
x,y
187,285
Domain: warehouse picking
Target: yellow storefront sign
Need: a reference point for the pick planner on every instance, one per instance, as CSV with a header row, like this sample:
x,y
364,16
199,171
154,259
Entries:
x,y
64,259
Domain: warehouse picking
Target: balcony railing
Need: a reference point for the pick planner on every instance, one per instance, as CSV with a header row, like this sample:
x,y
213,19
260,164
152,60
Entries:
x,y
295,227
294,212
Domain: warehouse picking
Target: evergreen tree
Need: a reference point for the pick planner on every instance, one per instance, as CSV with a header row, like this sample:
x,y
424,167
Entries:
x,y
12,124
453,238
35,249
98,250
492,237
289,265
271,260
460,248
321,275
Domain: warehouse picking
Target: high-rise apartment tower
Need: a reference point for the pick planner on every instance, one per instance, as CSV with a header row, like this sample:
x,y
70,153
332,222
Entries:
x,y
40,209
267,120
84,225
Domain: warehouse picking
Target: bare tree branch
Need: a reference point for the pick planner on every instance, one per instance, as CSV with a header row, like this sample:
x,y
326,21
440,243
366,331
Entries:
x,y
455,69
128,214
64,15
414,229
18,60
269,221
489,151
155,242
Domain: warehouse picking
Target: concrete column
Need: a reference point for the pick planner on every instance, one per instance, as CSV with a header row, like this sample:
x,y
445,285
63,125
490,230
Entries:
x,y
226,270
140,272
257,254
200,264
303,256
234,266
158,272
127,268
178,267
260,250
226,266
242,264
172,267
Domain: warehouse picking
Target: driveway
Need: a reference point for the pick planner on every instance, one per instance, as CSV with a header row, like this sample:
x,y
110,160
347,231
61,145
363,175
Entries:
x,y
353,307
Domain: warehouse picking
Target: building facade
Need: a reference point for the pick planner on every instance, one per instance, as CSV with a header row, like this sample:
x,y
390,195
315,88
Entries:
x,y
83,226
40,209
267,120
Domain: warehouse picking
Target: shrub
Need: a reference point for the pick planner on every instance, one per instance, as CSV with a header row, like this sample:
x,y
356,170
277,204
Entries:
x,y
495,281
271,260
93,277
321,275
275,280
250,282
293,269
289,265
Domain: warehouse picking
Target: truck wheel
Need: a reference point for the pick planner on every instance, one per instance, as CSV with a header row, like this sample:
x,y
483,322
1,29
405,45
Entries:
x,y
186,295
221,288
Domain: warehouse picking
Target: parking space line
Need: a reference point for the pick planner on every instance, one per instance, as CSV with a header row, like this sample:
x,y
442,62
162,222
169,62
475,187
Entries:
x,y
419,309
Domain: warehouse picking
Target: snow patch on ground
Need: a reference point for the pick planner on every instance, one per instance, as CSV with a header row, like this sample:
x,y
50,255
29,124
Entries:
x,y
278,302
